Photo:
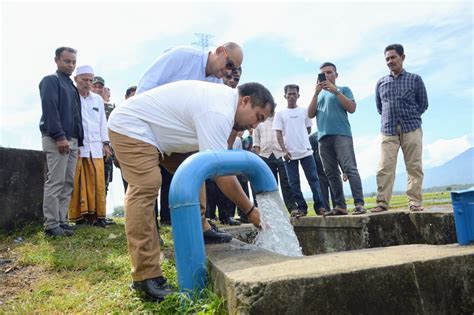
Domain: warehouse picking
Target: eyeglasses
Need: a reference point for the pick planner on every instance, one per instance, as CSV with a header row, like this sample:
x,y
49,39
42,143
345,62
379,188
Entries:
x,y
230,65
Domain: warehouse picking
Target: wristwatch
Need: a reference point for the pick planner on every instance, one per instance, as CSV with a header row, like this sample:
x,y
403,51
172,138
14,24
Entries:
x,y
337,91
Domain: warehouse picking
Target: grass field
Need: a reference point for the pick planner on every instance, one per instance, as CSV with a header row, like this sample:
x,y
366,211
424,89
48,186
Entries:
x,y
86,273
398,201
90,272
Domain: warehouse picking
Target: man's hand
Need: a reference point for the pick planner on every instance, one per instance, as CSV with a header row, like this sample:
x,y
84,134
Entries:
x,y
63,146
319,87
106,150
286,155
328,86
254,217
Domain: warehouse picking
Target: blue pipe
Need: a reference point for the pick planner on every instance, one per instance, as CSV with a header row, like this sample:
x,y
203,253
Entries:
x,y
185,211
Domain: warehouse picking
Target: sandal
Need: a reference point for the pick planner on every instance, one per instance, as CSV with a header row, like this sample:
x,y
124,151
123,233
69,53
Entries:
x,y
298,213
359,209
335,211
321,211
378,209
415,208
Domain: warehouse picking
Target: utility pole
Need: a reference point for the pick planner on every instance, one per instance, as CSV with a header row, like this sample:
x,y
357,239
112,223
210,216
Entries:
x,y
203,41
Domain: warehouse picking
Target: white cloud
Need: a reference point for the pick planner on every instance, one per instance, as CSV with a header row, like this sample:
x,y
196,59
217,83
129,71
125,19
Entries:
x,y
443,150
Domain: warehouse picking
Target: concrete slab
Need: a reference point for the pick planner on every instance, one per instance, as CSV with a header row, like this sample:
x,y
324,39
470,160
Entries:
x,y
408,279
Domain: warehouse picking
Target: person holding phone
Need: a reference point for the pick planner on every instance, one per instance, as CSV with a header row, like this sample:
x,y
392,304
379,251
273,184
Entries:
x,y
330,105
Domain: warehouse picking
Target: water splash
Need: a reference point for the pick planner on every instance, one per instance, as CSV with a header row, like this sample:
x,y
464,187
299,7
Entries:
x,y
277,234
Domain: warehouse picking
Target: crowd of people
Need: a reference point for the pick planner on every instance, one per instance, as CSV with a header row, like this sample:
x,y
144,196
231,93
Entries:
x,y
189,101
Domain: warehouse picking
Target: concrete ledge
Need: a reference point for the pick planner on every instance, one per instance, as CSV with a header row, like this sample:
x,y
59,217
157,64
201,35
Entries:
x,y
421,279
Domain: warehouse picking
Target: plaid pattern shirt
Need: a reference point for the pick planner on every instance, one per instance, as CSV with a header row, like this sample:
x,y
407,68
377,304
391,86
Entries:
x,y
401,101
266,138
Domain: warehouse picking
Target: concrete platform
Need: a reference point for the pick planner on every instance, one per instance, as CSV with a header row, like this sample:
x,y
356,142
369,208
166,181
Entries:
x,y
407,279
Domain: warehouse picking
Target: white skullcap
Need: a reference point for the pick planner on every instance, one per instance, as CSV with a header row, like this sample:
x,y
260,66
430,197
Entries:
x,y
84,69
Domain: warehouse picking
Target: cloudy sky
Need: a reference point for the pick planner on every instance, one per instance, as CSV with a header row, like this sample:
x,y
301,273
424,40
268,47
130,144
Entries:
x,y
283,43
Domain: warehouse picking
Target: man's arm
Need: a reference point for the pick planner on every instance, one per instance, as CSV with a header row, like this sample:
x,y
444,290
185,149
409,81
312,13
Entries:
x,y
286,154
49,93
313,106
231,139
230,186
348,104
421,96
378,101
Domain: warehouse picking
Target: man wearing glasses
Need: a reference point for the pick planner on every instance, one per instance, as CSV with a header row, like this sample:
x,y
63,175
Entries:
x,y
187,63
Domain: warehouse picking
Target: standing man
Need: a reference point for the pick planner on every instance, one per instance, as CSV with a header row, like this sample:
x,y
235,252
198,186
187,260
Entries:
x,y
266,145
330,104
164,126
292,126
88,198
323,180
61,130
401,100
98,86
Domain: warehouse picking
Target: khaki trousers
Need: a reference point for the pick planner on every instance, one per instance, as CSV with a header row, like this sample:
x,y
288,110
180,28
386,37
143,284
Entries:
x,y
139,162
412,146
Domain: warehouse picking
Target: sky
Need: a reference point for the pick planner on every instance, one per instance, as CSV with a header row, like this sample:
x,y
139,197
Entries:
x,y
283,43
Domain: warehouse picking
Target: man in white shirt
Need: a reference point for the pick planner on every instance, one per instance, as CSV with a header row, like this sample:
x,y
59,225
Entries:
x,y
293,126
187,63
87,204
267,147
164,126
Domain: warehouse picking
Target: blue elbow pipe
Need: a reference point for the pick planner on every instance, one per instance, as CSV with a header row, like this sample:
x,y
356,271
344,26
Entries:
x,y
185,211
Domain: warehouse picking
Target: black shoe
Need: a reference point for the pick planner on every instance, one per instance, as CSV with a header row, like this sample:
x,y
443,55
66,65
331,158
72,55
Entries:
x,y
100,223
215,236
58,232
230,221
81,222
155,289
66,226
109,221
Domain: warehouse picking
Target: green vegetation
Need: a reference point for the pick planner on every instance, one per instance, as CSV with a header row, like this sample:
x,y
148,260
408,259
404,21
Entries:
x,y
400,201
90,273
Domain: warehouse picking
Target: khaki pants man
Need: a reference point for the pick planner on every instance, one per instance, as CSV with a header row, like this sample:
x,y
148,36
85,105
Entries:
x,y
139,162
412,146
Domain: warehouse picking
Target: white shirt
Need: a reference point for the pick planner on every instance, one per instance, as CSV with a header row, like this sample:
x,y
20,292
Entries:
x,y
180,117
293,122
95,126
179,63
265,138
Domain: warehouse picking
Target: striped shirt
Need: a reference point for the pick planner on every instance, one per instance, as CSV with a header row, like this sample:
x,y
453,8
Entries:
x,y
266,138
401,101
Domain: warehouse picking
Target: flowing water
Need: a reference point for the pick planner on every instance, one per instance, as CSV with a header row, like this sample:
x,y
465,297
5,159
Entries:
x,y
277,234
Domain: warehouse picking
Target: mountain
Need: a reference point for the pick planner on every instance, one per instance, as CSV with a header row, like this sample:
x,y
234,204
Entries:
x,y
459,170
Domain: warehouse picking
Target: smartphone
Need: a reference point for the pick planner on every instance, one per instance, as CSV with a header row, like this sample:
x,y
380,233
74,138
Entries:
x,y
321,77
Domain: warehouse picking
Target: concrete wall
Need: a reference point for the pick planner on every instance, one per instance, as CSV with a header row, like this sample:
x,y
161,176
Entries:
x,y
22,175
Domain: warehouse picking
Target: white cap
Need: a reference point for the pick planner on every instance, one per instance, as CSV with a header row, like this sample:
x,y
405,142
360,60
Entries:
x,y
84,69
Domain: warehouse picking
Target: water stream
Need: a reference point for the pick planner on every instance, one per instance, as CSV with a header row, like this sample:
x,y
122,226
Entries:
x,y
277,234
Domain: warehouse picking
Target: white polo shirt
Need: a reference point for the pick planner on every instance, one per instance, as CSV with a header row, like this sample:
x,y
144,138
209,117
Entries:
x,y
176,64
179,117
95,126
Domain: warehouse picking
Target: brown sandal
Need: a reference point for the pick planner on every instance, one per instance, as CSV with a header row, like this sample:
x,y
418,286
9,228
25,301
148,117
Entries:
x,y
415,208
335,211
378,209
359,209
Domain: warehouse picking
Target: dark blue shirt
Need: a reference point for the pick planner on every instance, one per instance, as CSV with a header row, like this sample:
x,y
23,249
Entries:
x,y
401,101
61,118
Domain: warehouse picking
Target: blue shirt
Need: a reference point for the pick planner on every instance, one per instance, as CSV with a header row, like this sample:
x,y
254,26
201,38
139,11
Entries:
x,y
331,116
401,101
176,64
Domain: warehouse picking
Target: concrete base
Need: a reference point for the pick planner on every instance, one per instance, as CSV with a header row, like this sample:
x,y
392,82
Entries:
x,y
319,235
22,175
407,279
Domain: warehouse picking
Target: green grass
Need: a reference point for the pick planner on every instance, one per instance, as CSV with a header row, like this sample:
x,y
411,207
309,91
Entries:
x,y
399,201
90,273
